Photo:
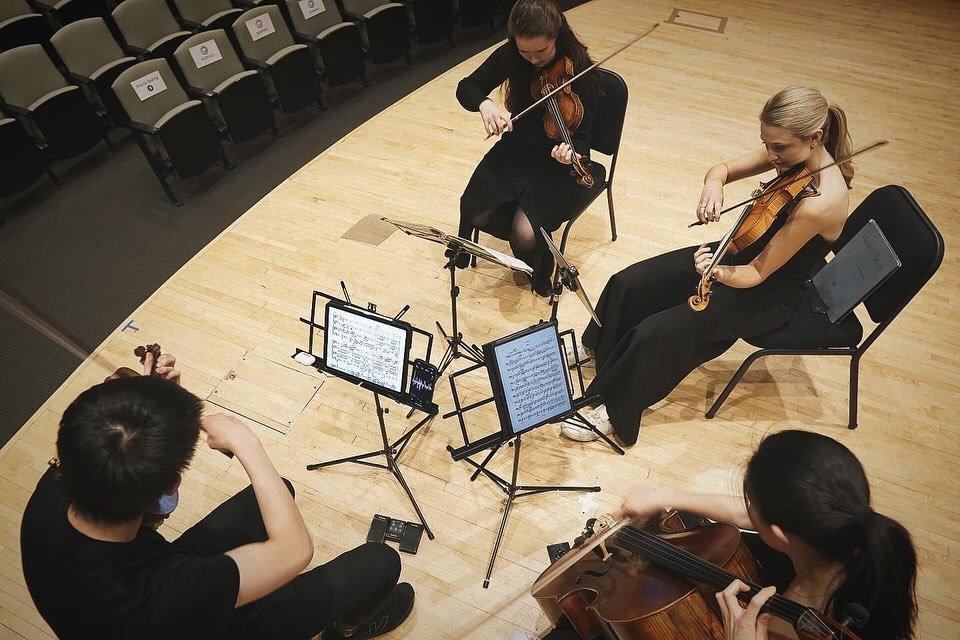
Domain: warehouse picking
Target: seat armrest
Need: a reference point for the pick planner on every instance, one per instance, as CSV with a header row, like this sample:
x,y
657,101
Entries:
x,y
137,52
343,25
15,110
303,38
256,64
377,10
197,91
142,128
77,78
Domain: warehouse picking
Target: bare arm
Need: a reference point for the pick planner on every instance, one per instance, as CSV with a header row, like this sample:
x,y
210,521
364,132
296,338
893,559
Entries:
x,y
644,503
268,565
812,216
711,198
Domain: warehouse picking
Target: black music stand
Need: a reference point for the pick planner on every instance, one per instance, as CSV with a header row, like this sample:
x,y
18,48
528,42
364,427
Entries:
x,y
495,441
566,276
457,347
391,451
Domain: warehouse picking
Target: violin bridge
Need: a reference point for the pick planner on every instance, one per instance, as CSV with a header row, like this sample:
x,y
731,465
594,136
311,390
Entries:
x,y
606,554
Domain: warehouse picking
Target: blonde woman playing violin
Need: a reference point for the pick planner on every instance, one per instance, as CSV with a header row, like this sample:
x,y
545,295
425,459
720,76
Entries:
x,y
651,339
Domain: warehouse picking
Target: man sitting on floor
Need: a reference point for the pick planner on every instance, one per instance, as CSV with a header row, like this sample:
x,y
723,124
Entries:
x,y
95,571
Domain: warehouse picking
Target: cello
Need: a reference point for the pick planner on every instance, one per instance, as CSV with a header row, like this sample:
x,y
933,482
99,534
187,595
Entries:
x,y
621,582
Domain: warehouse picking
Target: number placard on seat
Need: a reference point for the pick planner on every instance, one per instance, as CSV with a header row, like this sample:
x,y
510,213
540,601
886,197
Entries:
x,y
205,53
260,27
149,85
310,8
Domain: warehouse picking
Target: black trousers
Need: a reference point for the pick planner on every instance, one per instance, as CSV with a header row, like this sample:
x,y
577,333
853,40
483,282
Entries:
x,y
352,586
651,339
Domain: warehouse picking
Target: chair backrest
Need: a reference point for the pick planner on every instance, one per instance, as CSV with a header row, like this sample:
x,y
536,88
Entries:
x,y
27,74
261,32
310,17
360,7
13,8
143,22
86,45
148,110
200,10
914,239
211,61
611,110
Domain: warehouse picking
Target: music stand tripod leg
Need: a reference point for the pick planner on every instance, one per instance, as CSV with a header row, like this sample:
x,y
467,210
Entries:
x,y
514,491
456,347
390,453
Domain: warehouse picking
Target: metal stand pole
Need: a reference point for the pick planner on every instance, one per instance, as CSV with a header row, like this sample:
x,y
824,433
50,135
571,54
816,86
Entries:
x,y
512,491
456,347
391,452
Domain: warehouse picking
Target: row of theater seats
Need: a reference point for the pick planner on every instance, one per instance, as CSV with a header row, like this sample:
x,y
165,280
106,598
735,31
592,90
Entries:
x,y
183,94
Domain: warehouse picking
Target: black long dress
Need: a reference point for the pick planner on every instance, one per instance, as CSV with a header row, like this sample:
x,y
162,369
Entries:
x,y
651,339
518,171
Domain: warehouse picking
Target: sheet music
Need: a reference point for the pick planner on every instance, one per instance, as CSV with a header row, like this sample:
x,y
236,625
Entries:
x,y
532,374
365,348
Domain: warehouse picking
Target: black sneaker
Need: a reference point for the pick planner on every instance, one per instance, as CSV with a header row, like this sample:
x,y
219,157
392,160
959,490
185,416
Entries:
x,y
390,617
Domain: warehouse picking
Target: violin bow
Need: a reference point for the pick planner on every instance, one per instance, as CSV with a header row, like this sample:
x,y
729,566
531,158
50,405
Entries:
x,y
869,147
562,86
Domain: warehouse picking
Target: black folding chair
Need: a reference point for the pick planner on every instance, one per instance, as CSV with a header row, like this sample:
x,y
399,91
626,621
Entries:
x,y
917,243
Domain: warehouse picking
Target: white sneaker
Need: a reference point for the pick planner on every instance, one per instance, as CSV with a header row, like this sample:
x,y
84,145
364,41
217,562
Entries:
x,y
597,417
587,357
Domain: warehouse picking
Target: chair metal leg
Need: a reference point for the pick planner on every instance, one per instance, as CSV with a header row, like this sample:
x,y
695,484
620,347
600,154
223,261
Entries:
x,y
854,388
158,171
733,382
613,219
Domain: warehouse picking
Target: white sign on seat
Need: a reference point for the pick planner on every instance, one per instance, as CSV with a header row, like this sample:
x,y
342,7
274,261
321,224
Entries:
x,y
149,85
311,8
260,27
205,53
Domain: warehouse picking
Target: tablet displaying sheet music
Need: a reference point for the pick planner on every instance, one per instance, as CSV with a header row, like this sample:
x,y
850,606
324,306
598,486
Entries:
x,y
862,265
366,347
529,378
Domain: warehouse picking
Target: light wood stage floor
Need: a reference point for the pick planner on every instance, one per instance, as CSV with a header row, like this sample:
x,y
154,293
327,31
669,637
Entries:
x,y
231,314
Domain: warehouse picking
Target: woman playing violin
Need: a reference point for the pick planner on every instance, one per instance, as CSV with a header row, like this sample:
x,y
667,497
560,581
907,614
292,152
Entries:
x,y
524,181
651,338
819,541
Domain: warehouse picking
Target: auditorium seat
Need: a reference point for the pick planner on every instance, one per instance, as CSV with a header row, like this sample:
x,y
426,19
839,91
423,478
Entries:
x,y
64,12
337,42
93,60
55,113
432,20
204,15
175,133
22,161
475,13
20,25
288,68
149,28
236,98
383,27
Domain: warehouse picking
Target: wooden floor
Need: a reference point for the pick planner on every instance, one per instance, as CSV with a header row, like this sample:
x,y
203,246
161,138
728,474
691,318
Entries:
x,y
231,314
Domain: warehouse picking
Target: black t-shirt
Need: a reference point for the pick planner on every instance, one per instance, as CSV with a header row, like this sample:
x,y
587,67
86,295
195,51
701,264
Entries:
x,y
144,589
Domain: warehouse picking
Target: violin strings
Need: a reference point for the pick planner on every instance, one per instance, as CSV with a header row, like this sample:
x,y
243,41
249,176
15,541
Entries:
x,y
654,548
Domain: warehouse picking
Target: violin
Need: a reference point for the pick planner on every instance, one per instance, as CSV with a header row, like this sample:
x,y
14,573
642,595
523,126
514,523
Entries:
x,y
761,209
141,352
757,217
564,111
621,582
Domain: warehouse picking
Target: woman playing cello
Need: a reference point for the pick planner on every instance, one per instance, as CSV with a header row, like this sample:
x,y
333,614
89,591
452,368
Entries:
x,y
651,338
818,541
524,182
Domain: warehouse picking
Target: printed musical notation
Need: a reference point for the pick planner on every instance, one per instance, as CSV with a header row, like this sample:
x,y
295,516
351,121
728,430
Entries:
x,y
365,348
533,379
